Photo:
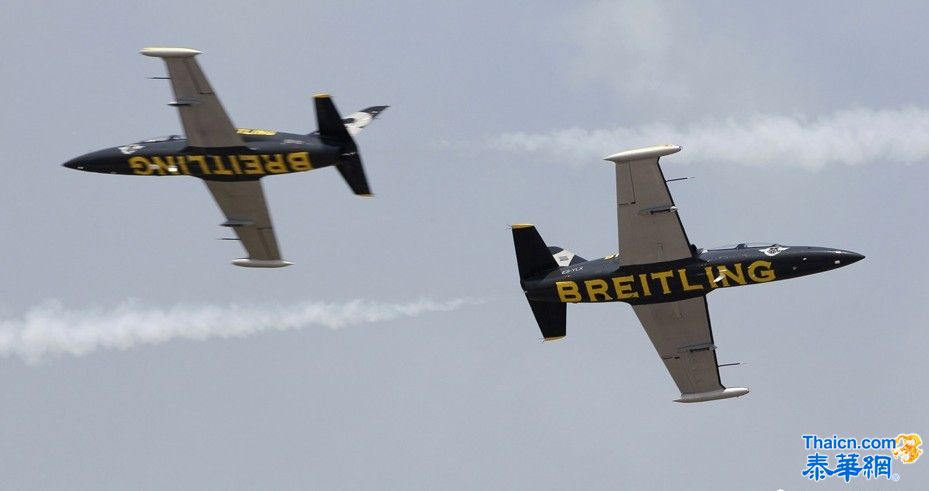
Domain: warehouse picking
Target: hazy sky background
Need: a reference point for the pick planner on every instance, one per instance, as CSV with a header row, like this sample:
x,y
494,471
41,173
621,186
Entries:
x,y
803,124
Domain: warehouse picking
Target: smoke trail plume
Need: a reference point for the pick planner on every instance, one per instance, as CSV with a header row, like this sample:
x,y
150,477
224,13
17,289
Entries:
x,y
850,137
50,329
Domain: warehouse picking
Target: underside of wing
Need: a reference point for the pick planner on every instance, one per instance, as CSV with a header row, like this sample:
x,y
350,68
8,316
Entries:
x,y
681,333
205,122
243,204
650,230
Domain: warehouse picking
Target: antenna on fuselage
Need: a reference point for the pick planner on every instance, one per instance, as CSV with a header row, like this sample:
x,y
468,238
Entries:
x,y
678,179
731,364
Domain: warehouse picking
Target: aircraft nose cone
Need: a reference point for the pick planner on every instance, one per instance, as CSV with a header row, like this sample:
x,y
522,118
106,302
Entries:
x,y
852,257
73,164
841,258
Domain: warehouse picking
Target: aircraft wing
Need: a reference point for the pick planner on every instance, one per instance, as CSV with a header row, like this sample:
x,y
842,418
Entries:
x,y
243,204
207,125
650,230
205,122
681,333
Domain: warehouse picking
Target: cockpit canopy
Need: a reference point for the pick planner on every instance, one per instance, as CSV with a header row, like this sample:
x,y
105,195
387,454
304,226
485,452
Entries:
x,y
745,245
159,139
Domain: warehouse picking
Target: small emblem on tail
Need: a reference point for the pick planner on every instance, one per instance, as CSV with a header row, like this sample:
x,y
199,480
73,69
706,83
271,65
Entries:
x,y
565,257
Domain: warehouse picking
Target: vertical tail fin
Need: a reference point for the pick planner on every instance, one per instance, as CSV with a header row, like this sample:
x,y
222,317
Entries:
x,y
532,255
333,131
533,259
330,123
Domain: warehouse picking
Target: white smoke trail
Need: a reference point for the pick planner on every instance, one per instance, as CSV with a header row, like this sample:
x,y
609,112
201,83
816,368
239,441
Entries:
x,y
50,329
850,137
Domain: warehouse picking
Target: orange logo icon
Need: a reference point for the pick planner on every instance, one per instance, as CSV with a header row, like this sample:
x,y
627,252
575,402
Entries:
x,y
907,449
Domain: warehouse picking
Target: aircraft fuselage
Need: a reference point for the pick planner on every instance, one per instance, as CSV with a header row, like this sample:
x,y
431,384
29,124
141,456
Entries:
x,y
604,280
267,152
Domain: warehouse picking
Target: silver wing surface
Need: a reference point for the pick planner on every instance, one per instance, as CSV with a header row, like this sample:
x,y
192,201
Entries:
x,y
681,333
207,125
205,122
650,230
243,203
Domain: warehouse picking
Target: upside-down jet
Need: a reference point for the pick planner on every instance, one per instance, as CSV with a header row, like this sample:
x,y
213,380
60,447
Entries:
x,y
660,273
231,160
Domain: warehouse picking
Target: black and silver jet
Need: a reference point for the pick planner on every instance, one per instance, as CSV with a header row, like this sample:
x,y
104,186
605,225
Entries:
x,y
660,273
231,160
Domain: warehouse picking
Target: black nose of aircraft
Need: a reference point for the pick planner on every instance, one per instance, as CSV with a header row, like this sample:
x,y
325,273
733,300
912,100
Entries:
x,y
848,257
810,260
836,258
74,164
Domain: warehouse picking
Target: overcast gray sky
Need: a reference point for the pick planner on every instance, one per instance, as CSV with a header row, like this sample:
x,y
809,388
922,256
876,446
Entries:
x,y
398,352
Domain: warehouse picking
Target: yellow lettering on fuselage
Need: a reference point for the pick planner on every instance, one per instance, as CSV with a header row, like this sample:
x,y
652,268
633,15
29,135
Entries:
x,y
139,166
761,272
682,273
160,164
252,165
630,287
646,290
179,164
727,275
274,164
234,162
567,291
624,287
710,278
597,287
201,162
299,161
218,168
221,165
663,276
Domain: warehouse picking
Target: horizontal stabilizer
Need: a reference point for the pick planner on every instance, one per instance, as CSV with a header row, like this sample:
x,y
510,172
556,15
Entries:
x,y
356,121
552,318
354,174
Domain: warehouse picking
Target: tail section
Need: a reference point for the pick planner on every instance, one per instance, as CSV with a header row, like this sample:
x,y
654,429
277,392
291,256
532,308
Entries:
x,y
532,255
534,258
355,122
552,318
354,174
565,257
337,131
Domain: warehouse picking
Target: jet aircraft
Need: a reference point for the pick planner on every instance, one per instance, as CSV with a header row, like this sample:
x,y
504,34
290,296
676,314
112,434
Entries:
x,y
660,273
231,160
